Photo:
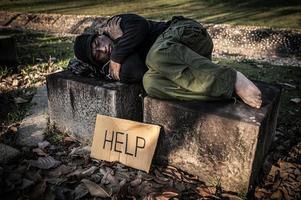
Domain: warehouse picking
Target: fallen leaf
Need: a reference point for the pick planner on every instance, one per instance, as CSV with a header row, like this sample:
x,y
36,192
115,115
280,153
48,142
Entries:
x,y
261,193
90,171
45,162
55,180
95,178
203,191
43,144
95,190
15,83
230,197
80,151
136,182
13,129
77,173
33,175
38,190
61,170
108,176
26,183
296,100
288,85
20,100
69,139
285,193
276,195
167,195
80,191
39,151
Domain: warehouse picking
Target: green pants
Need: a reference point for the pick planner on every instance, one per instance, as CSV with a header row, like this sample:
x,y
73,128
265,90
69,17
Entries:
x,y
180,65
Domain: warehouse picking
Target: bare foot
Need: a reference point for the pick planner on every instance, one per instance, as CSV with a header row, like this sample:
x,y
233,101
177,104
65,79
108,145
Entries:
x,y
247,91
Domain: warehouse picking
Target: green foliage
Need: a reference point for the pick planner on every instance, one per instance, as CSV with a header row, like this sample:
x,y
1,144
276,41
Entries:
x,y
53,135
274,13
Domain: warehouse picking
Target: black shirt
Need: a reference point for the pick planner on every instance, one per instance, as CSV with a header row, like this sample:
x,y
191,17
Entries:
x,y
138,36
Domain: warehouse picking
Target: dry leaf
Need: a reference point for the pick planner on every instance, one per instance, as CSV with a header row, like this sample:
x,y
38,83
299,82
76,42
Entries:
x,y
69,139
95,190
80,151
230,197
277,195
39,151
26,183
203,191
285,193
261,193
296,100
167,195
136,182
288,85
61,170
38,190
20,100
89,171
45,162
15,83
80,191
13,129
43,144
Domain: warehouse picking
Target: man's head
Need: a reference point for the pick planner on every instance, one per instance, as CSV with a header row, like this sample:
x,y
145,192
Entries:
x,y
93,48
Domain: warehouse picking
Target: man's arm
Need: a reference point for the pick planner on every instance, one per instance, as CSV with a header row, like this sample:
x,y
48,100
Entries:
x,y
134,30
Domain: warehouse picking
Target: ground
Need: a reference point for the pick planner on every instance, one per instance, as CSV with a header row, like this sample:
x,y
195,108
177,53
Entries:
x,y
29,178
271,13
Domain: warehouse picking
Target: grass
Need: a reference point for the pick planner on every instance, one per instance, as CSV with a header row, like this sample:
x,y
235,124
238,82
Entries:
x,y
272,13
38,54
290,113
38,50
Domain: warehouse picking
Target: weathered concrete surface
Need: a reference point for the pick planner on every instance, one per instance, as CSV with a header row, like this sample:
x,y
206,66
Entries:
x,y
34,125
8,51
262,44
7,153
215,140
75,101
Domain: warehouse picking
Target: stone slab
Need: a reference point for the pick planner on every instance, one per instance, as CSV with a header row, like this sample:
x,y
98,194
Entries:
x,y
75,101
8,51
7,153
217,141
34,125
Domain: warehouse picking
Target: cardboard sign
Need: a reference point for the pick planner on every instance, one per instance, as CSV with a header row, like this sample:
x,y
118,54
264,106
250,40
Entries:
x,y
129,142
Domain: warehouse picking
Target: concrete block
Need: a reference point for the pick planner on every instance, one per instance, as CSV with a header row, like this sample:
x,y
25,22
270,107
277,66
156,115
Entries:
x,y
217,141
8,52
75,101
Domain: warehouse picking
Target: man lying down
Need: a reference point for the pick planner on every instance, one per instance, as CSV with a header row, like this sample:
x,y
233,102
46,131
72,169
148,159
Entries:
x,y
173,59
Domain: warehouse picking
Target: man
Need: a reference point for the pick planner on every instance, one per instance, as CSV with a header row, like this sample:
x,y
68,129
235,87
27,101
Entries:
x,y
177,55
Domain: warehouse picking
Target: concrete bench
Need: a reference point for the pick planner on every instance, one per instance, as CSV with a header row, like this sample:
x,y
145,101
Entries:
x,y
74,102
217,141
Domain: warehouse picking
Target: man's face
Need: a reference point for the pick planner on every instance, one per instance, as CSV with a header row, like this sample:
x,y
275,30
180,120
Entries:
x,y
101,49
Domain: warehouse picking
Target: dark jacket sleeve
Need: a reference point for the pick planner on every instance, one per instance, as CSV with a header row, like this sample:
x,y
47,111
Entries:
x,y
135,29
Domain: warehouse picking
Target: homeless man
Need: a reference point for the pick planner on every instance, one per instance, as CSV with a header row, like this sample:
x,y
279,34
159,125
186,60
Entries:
x,y
173,58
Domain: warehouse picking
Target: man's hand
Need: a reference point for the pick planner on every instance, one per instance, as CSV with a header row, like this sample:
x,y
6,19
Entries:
x,y
113,28
114,70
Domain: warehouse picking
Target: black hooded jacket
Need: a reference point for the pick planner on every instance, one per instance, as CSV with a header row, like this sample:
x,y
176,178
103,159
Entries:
x,y
138,36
